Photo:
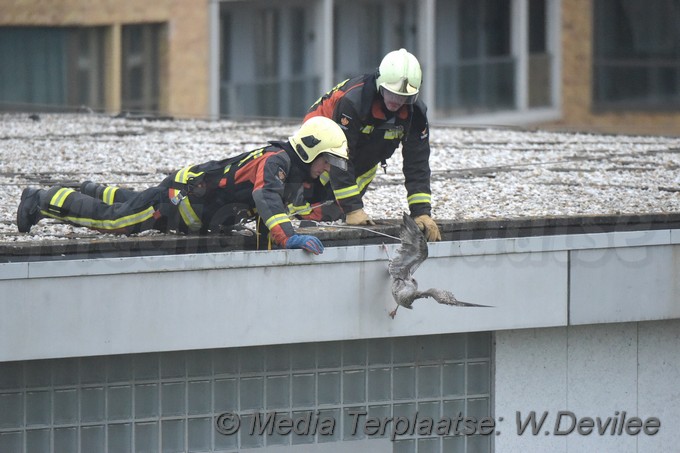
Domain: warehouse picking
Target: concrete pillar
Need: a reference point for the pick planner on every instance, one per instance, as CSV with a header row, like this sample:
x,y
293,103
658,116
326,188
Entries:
x,y
520,51
426,51
112,69
326,32
214,59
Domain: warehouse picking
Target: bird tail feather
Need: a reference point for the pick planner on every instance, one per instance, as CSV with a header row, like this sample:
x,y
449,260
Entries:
x,y
445,297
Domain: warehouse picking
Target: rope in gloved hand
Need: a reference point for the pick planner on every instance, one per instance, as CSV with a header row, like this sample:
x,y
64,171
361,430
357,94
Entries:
x,y
353,227
350,227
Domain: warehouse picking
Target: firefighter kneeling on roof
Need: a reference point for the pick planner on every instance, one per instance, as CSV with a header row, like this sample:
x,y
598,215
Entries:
x,y
200,198
378,112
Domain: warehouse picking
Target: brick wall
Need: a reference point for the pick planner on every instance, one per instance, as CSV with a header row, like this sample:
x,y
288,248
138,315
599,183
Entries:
x,y
185,75
577,51
186,51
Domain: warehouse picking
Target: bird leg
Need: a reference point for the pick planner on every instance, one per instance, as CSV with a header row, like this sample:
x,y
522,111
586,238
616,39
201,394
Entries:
x,y
394,312
387,252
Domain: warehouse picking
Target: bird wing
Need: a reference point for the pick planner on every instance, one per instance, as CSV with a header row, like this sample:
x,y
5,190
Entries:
x,y
411,253
446,297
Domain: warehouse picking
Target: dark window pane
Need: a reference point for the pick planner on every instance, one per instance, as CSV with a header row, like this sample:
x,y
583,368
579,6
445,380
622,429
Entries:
x,y
537,26
33,67
475,68
637,54
470,20
497,27
141,67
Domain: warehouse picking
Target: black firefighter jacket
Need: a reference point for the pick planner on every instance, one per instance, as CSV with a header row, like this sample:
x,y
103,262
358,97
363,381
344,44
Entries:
x,y
373,134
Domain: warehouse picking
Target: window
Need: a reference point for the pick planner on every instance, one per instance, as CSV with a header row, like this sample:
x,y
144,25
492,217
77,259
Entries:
x,y
540,58
267,55
170,401
141,67
49,68
226,66
300,90
357,21
476,68
365,30
636,54
267,58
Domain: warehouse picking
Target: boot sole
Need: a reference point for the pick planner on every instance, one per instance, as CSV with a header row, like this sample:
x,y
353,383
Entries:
x,y
26,219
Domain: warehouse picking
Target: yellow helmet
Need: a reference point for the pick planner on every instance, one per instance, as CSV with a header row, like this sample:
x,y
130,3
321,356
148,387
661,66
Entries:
x,y
321,135
399,76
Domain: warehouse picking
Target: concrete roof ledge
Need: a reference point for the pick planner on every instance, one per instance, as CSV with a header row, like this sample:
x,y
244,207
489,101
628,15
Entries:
x,y
243,298
337,254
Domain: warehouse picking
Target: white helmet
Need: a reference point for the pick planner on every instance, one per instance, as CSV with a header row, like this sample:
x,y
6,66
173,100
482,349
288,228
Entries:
x,y
399,76
321,135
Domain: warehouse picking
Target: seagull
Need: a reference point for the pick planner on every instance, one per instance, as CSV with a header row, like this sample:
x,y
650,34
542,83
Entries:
x,y
410,255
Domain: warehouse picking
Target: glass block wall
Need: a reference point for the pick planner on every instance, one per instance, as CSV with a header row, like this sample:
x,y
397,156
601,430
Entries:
x,y
173,402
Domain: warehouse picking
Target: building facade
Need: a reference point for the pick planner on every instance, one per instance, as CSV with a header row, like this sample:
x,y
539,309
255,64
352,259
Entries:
x,y
582,64
123,354
108,56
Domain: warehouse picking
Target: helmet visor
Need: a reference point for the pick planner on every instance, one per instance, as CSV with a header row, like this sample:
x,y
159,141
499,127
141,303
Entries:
x,y
335,161
397,98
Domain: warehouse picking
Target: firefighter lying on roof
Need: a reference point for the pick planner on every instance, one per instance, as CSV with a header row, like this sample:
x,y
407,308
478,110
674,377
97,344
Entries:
x,y
200,198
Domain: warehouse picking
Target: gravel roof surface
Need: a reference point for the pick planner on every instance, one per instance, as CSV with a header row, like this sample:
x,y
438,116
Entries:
x,y
477,173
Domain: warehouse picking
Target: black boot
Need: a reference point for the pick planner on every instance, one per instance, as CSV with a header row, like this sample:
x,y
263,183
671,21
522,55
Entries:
x,y
92,189
28,213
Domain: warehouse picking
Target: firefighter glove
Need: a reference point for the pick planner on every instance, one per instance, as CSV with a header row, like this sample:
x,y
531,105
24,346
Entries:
x,y
303,241
358,217
427,226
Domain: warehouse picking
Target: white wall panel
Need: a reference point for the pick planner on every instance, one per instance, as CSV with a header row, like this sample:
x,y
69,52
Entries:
x,y
591,371
531,375
161,304
601,382
658,383
625,284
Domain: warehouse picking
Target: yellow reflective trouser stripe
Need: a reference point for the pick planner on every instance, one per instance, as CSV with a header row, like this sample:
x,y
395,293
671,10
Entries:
x,y
60,197
367,129
115,224
299,210
191,220
366,178
109,195
276,219
419,198
351,191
